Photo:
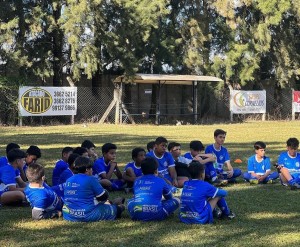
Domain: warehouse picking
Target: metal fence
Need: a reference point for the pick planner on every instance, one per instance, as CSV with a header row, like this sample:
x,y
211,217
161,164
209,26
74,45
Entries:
x,y
176,106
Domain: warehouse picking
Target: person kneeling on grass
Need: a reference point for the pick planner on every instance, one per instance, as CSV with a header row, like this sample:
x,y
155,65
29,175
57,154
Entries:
x,y
85,200
43,200
199,198
259,166
147,203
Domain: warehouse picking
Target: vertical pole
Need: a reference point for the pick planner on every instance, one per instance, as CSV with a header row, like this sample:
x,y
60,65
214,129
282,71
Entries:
x,y
116,98
157,120
293,108
121,103
195,100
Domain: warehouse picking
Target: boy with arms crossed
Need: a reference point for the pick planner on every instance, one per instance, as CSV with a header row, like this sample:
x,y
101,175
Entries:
x,y
289,164
259,166
147,203
199,198
43,200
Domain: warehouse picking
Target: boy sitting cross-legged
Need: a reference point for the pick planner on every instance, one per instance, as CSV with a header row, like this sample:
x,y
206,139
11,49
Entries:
x,y
199,198
259,166
85,200
147,203
43,200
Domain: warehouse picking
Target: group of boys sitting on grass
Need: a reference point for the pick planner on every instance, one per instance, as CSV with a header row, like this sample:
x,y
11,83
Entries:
x,y
81,181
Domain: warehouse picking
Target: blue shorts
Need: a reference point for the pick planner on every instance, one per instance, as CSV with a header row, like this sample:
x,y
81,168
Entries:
x,y
100,212
205,217
142,212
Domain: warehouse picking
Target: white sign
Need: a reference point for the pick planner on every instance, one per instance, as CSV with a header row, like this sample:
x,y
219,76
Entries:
x,y
47,101
296,101
247,101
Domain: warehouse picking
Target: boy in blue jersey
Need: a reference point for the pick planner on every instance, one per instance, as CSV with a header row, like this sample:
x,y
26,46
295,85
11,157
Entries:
x,y
61,165
43,200
106,166
69,172
199,198
10,146
166,164
90,147
33,153
213,171
147,203
133,169
150,146
289,165
85,200
10,193
259,166
81,151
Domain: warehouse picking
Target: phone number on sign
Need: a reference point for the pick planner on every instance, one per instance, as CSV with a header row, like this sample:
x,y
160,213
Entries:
x,y
64,94
63,108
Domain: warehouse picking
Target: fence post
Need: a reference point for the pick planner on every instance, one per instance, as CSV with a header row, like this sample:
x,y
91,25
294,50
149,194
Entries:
x,y
293,110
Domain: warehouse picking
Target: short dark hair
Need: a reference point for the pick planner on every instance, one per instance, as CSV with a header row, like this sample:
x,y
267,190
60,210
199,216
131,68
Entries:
x,y
150,145
34,150
196,169
79,150
160,140
219,132
135,152
72,158
15,154
173,144
259,145
35,172
66,150
11,146
108,146
196,145
292,142
87,144
82,164
149,165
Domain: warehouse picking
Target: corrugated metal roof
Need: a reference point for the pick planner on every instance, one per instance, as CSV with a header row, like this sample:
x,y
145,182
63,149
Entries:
x,y
166,79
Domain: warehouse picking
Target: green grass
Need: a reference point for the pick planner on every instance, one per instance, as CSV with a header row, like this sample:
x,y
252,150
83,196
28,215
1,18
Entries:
x,y
267,215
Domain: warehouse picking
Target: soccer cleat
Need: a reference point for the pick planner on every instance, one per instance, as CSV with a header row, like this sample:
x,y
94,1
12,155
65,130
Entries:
x,y
229,216
178,192
217,213
270,181
253,181
295,186
220,182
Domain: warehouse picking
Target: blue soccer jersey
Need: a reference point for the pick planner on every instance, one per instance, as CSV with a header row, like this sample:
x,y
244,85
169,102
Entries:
x,y
147,203
222,155
80,202
291,163
100,167
65,175
60,166
164,163
188,155
137,170
3,161
44,198
195,208
259,167
7,177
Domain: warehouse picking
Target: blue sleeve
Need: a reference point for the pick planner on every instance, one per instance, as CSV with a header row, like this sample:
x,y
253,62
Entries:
x,y
167,192
226,154
96,187
281,159
250,166
210,190
98,167
170,160
8,175
221,193
267,164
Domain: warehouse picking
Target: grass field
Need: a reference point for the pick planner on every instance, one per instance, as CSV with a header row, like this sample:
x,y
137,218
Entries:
x,y
267,215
